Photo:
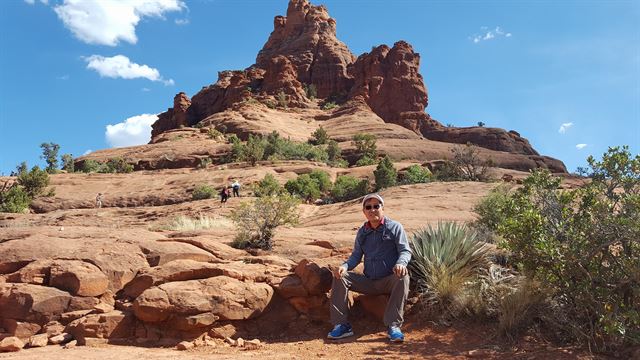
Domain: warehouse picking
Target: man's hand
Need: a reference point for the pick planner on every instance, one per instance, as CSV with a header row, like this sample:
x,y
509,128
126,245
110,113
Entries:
x,y
400,270
339,272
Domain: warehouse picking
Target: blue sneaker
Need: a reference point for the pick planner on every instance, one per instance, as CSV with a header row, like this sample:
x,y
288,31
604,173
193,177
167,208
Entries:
x,y
395,335
340,331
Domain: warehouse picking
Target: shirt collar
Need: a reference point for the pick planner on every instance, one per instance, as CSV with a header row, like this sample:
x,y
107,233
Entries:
x,y
367,225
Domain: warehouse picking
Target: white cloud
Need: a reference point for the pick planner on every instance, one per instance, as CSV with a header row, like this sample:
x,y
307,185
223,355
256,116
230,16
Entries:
x,y
182,21
120,66
489,34
581,146
87,152
135,130
564,127
144,89
107,22
31,2
63,77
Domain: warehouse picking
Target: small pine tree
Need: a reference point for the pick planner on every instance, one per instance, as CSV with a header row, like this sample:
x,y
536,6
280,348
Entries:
x,y
282,100
254,149
319,137
311,91
67,163
385,174
334,151
481,124
268,186
365,145
50,155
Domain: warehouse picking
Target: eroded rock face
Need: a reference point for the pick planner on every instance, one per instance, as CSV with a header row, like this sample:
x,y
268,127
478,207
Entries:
x,y
388,80
307,37
174,117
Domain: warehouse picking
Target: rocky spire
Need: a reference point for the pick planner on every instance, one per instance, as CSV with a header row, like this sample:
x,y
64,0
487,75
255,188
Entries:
x,y
307,37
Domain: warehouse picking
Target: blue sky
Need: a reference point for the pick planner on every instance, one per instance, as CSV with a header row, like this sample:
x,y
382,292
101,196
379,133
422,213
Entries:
x,y
90,75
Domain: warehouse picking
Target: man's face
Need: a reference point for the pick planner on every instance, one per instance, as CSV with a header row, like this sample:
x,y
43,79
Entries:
x,y
373,210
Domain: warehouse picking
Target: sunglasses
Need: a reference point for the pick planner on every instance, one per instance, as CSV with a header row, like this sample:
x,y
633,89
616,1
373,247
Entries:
x,y
376,206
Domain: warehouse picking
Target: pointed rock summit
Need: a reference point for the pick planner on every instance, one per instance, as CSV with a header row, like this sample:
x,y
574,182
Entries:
x,y
307,37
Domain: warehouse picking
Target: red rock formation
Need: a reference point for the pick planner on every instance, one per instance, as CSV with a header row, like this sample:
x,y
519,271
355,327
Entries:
x,y
389,82
174,117
307,37
281,76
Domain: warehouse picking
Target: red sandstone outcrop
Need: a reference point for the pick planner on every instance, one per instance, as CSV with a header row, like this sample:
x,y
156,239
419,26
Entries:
x,y
307,37
174,117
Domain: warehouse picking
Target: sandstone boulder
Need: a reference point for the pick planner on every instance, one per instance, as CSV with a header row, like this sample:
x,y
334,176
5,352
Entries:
x,y
11,344
112,325
225,297
78,278
32,303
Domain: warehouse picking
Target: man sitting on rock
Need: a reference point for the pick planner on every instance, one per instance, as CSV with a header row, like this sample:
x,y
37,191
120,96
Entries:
x,y
383,243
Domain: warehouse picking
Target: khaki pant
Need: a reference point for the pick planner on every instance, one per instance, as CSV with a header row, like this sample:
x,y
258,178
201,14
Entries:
x,y
397,288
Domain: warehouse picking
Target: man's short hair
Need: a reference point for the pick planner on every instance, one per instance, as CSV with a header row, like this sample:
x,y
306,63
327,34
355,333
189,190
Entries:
x,y
373,196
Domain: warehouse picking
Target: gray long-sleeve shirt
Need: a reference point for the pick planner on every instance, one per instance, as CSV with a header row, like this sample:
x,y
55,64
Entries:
x,y
382,249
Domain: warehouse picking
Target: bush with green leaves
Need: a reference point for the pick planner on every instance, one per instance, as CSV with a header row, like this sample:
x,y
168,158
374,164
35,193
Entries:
x,y
385,174
14,199
319,137
583,245
348,187
50,155
329,105
214,134
257,220
253,150
90,165
416,174
117,165
34,182
203,191
67,163
283,100
445,260
323,180
268,186
303,187
365,145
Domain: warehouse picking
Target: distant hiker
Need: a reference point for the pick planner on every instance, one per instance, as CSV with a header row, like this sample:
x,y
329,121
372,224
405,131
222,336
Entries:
x,y
383,243
99,200
224,194
236,188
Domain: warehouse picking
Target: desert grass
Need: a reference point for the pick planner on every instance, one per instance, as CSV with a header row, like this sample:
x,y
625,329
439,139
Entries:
x,y
185,223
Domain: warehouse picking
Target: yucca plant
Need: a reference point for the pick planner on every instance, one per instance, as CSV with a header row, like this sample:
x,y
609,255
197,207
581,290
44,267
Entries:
x,y
444,260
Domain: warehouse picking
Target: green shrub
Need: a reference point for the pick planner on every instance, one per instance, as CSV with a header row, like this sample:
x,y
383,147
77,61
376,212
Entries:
x,y
328,105
416,174
385,174
582,244
304,187
323,180
489,206
253,150
365,146
319,137
365,161
34,182
89,166
214,134
203,191
268,186
348,188
257,221
445,259
67,163
117,165
14,199
283,101
334,153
